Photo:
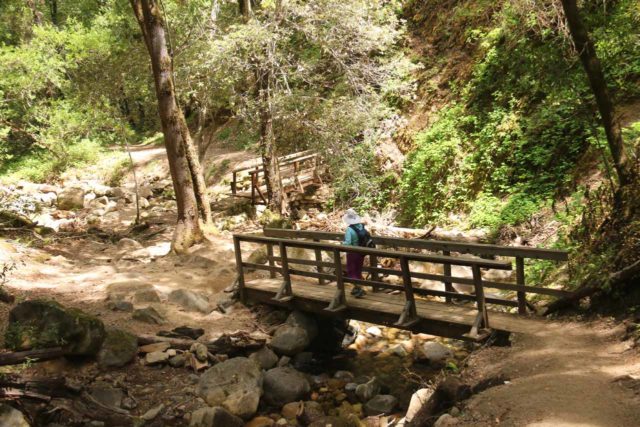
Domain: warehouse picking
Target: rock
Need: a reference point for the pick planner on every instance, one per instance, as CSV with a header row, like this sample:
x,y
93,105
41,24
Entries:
x,y
44,324
265,358
11,417
311,411
284,385
380,404
107,395
290,410
156,357
190,301
148,315
214,417
48,199
153,412
200,351
235,384
331,421
350,391
290,340
260,422
344,376
99,203
120,305
305,362
145,191
418,399
178,361
156,346
445,420
71,198
454,412
304,321
128,244
368,390
284,361
144,203
434,353
118,349
100,190
146,296
259,256
374,331
128,403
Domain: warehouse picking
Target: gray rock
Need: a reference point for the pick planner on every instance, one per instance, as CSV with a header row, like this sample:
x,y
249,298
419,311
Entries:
x,y
107,395
350,391
344,376
284,361
418,400
311,411
118,349
445,420
45,324
434,353
148,315
190,301
265,358
332,421
200,351
304,321
214,417
128,403
71,198
235,384
368,390
153,412
128,244
156,357
284,385
11,417
380,404
146,296
290,340
120,305
178,361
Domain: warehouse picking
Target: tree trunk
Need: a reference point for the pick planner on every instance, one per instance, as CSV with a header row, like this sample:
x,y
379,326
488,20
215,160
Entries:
x,y
174,126
276,197
593,68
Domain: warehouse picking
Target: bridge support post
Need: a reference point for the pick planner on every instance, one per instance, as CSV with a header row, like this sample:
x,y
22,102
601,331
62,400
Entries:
x,y
285,293
520,281
240,267
319,268
272,263
373,263
480,327
339,301
409,315
446,270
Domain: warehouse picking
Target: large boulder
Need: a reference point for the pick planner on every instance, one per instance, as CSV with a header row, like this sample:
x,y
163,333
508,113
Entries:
x,y
283,385
235,384
304,321
118,349
418,400
71,198
381,404
434,353
290,340
265,358
148,315
45,324
190,301
11,417
214,417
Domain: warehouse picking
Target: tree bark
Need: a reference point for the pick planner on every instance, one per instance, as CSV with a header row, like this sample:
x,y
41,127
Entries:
x,y
276,197
593,68
174,128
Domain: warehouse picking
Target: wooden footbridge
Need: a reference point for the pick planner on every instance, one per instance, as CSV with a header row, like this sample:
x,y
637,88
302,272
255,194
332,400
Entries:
x,y
296,171
317,284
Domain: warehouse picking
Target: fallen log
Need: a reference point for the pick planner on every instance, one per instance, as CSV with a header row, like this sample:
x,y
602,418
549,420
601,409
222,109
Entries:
x,y
17,357
593,287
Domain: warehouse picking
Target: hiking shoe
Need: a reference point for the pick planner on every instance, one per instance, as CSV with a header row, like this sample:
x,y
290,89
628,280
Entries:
x,y
358,292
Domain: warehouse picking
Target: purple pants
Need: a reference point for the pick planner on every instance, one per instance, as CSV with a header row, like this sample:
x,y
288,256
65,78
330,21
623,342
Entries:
x,y
354,265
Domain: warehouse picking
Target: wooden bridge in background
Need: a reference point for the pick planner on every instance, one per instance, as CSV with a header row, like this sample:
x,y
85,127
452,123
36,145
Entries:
x,y
317,283
296,171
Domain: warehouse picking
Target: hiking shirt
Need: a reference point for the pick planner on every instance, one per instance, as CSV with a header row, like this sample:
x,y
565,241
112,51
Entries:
x,y
351,237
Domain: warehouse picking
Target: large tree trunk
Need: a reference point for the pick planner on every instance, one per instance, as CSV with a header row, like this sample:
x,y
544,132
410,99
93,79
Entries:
x,y
176,134
593,68
276,197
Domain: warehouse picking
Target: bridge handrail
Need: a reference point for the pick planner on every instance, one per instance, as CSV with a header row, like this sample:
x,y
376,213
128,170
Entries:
x,y
283,160
428,244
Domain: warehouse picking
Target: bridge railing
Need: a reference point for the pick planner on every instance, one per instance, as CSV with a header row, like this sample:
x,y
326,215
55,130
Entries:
x,y
333,272
516,254
291,166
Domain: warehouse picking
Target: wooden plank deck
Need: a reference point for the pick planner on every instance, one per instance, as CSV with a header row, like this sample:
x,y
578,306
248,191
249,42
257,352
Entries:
x,y
437,318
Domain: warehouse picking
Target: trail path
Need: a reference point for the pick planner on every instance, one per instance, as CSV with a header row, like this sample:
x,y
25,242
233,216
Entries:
x,y
565,375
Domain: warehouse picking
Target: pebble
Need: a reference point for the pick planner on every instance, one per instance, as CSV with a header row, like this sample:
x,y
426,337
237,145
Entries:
x,y
153,412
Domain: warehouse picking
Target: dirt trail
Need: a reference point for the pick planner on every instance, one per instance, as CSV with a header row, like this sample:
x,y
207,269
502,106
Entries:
x,y
566,374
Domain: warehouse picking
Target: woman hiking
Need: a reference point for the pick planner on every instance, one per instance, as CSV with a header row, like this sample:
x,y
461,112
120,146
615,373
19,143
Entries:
x,y
355,235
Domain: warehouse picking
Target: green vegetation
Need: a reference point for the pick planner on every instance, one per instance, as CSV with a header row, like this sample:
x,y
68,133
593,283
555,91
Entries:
x,y
520,125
